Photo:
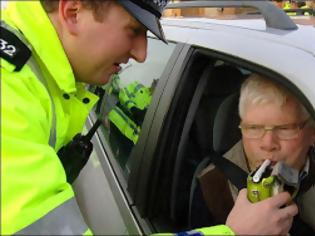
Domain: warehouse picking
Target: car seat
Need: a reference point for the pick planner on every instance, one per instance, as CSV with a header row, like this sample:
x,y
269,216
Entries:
x,y
225,134
224,80
217,83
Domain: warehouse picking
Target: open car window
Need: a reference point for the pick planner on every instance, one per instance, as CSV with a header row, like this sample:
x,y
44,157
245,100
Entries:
x,y
125,100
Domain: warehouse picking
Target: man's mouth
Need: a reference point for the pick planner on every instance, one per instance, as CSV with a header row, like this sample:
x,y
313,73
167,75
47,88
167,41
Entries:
x,y
117,68
272,163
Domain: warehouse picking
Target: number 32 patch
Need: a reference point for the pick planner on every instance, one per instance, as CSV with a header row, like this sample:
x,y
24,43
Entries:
x,y
7,48
12,49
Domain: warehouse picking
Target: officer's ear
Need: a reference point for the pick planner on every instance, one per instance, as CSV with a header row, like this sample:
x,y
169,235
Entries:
x,y
68,14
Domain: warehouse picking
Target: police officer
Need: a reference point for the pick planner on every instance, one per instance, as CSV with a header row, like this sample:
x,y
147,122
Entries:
x,y
129,112
126,107
49,51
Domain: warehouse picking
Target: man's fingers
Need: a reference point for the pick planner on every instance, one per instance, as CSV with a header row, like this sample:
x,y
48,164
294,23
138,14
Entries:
x,y
286,218
280,199
242,195
290,211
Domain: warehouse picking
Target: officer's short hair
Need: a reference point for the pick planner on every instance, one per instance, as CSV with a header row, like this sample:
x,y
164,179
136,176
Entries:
x,y
146,12
97,6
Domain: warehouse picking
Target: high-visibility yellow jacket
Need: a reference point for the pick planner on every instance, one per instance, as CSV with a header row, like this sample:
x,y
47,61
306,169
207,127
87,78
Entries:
x,y
35,197
135,95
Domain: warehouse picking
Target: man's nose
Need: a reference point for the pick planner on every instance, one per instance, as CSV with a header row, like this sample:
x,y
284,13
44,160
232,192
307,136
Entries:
x,y
139,49
269,142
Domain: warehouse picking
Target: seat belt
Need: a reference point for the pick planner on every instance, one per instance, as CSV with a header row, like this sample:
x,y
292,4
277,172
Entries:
x,y
184,137
233,172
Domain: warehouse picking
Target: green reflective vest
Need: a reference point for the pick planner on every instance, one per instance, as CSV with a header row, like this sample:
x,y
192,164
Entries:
x,y
135,95
35,197
125,125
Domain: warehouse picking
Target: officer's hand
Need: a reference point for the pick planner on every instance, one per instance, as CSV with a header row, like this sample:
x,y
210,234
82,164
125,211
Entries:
x,y
267,217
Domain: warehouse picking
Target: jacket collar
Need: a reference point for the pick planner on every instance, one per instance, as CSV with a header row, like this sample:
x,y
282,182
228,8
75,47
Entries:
x,y
31,20
237,156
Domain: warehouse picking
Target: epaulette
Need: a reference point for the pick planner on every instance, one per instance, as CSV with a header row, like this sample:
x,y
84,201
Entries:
x,y
12,48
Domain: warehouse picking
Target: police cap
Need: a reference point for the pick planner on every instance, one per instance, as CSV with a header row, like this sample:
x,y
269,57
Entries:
x,y
148,13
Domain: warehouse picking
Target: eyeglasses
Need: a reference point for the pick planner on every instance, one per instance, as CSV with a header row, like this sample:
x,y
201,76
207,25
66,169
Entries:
x,y
284,132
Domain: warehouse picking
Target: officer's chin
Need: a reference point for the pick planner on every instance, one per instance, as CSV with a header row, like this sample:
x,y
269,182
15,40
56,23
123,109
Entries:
x,y
101,80
96,80
105,79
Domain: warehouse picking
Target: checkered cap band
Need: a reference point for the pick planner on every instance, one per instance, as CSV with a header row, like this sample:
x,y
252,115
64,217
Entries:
x,y
154,6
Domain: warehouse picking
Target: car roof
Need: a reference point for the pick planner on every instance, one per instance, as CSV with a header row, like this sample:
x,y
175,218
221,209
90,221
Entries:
x,y
303,37
290,53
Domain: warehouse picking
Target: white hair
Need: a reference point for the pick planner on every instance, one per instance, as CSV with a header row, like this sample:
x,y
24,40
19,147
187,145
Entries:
x,y
257,90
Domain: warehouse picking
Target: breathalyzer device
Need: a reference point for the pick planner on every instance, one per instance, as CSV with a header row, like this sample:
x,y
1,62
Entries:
x,y
268,180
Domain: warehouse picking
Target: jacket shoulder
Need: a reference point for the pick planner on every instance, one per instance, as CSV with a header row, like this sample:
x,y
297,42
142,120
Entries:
x,y
13,47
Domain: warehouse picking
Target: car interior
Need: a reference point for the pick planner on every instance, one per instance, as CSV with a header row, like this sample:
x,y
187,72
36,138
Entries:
x,y
210,129
225,134
207,135
201,129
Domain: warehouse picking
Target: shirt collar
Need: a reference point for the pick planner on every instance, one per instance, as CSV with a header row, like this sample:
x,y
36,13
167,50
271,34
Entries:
x,y
304,172
31,19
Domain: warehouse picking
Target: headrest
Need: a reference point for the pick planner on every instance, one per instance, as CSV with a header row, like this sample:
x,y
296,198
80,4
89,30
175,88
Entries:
x,y
225,131
228,75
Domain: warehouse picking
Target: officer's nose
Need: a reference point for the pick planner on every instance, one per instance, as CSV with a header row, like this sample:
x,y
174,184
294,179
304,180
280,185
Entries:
x,y
139,49
269,142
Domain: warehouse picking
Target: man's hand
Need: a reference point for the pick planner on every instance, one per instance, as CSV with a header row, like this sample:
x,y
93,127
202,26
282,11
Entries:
x,y
267,217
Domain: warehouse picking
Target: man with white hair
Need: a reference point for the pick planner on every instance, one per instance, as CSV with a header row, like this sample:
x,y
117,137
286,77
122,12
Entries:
x,y
275,126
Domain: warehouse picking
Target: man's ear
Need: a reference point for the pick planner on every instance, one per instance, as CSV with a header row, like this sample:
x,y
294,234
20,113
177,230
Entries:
x,y
68,13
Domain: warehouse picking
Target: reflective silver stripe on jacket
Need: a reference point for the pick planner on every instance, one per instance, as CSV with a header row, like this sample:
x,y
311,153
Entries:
x,y
66,219
36,70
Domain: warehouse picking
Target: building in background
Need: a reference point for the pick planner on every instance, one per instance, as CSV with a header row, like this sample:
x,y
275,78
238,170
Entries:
x,y
207,12
292,8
